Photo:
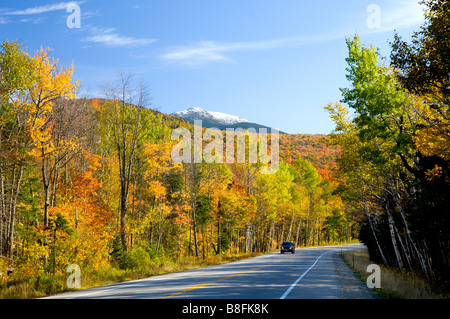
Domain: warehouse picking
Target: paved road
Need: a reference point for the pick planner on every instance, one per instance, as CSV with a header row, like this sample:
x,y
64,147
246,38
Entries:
x,y
310,273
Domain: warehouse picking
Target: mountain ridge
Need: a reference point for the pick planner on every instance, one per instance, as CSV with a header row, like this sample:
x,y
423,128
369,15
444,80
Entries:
x,y
219,120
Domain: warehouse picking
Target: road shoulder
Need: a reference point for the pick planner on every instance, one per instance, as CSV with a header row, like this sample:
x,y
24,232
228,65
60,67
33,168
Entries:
x,y
351,286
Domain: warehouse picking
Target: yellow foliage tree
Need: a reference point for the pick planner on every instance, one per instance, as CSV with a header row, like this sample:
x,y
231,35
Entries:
x,y
50,83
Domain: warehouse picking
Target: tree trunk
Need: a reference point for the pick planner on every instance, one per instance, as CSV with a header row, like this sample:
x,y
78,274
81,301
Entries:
x,y
366,209
46,184
408,233
290,227
194,227
159,231
297,236
14,196
123,212
2,209
394,242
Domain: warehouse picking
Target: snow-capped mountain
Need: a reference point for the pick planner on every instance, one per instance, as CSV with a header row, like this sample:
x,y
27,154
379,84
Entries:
x,y
218,120
198,113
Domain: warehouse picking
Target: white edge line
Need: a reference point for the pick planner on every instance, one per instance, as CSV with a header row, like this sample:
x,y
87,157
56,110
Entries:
x,y
301,277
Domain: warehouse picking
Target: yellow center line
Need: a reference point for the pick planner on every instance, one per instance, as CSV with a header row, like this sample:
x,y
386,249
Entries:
x,y
227,277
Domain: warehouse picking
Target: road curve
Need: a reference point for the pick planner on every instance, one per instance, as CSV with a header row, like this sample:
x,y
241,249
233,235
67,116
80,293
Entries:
x,y
310,273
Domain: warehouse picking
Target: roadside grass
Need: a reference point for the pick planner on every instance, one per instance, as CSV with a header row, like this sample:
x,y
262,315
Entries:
x,y
17,286
395,284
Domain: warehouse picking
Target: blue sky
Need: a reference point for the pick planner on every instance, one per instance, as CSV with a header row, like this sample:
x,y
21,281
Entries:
x,y
276,63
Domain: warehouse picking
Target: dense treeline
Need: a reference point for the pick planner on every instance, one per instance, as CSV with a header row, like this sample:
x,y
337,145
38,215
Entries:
x,y
394,162
92,182
311,147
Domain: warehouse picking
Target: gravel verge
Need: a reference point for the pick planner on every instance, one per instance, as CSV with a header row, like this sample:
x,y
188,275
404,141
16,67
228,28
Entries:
x,y
351,286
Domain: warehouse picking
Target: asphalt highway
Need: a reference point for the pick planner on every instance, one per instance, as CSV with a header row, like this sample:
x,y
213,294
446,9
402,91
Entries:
x,y
310,273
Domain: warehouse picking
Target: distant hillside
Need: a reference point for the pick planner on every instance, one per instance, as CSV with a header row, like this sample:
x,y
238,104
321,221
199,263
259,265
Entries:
x,y
312,147
170,121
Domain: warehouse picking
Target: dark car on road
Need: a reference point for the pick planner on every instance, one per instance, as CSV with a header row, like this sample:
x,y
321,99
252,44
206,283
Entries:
x,y
287,247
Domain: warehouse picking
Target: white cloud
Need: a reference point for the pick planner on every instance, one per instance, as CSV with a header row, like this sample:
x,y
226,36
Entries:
x,y
395,15
211,51
43,9
110,38
31,20
198,52
399,15
403,14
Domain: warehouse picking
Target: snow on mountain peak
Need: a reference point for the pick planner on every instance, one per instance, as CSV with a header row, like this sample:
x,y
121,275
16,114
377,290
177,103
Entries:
x,y
227,118
201,114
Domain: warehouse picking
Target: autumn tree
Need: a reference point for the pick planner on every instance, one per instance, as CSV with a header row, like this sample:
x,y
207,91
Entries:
x,y
50,83
128,124
386,161
16,74
423,68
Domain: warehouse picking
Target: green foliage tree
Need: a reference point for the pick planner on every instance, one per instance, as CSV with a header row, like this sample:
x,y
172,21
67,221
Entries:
x,y
393,164
16,74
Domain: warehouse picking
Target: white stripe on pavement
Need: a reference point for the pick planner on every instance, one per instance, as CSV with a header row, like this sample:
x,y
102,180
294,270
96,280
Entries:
x,y
301,277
